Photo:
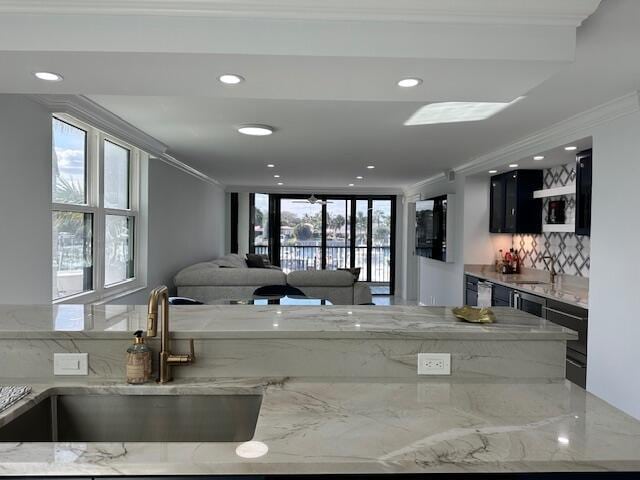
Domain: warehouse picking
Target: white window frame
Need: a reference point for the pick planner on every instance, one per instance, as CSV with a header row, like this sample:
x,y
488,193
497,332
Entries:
x,y
95,206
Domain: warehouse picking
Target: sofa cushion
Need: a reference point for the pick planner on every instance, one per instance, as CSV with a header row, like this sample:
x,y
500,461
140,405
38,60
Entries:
x,y
211,274
320,278
232,261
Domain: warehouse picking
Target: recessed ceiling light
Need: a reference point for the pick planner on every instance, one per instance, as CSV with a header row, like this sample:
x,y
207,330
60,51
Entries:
x,y
256,130
538,157
493,171
270,165
371,167
280,183
570,148
562,440
351,184
359,177
451,112
49,76
231,79
513,165
276,176
409,82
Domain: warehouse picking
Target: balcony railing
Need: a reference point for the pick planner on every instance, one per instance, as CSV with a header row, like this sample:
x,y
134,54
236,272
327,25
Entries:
x,y
309,257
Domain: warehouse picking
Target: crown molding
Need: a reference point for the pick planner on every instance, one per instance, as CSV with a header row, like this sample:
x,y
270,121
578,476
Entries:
x,y
174,162
570,129
99,117
522,12
314,190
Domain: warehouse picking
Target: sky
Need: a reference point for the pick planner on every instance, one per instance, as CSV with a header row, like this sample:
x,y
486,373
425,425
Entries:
x,y
69,147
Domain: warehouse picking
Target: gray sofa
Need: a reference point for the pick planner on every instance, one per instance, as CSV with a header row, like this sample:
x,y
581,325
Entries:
x,y
229,277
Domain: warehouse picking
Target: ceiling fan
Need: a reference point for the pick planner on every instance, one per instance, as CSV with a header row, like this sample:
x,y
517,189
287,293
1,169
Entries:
x,y
313,200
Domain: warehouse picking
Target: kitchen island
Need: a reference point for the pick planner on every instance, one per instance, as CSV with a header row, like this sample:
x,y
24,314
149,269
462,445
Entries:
x,y
335,415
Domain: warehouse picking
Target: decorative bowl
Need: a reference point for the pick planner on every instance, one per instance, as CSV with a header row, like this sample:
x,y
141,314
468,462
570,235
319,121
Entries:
x,y
474,314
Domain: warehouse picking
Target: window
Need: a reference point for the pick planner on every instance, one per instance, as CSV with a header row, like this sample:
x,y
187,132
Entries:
x,y
95,202
348,231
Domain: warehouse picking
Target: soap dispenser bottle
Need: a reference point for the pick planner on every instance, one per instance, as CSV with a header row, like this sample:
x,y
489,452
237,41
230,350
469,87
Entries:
x,y
138,360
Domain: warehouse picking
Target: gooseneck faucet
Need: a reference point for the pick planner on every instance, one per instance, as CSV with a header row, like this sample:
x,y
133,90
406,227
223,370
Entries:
x,y
551,266
160,296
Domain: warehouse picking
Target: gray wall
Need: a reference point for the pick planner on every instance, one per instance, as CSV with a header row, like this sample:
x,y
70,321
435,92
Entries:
x,y
185,225
25,201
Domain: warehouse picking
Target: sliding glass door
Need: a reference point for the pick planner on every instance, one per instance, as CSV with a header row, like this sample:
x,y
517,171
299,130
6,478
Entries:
x,y
301,234
347,231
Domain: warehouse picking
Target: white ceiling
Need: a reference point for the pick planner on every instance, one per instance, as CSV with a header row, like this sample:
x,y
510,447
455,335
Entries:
x,y
332,99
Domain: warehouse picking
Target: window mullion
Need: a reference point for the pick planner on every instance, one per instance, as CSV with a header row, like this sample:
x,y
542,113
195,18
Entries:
x,y
99,257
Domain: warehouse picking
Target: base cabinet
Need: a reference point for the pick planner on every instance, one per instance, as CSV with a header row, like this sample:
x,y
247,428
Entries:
x,y
569,316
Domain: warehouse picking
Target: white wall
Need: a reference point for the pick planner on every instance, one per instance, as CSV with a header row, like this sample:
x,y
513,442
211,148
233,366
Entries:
x,y
614,327
440,283
244,212
25,201
185,224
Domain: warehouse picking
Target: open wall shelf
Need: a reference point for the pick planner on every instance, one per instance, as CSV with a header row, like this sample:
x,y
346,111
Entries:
x,y
555,192
559,227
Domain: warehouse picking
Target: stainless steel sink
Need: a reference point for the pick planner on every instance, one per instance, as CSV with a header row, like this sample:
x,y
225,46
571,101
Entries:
x,y
137,418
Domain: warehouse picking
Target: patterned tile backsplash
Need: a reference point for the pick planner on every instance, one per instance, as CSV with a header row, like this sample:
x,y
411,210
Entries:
x,y
572,251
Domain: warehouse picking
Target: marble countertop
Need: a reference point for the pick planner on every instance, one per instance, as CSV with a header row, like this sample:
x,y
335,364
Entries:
x,y
571,290
251,321
360,427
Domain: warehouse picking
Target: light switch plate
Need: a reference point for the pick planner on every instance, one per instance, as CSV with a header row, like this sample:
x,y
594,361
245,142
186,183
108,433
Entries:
x,y
71,364
434,364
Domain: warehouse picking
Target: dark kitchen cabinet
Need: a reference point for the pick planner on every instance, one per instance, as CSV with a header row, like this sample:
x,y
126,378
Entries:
x,y
532,304
497,205
471,291
574,318
501,296
512,206
583,192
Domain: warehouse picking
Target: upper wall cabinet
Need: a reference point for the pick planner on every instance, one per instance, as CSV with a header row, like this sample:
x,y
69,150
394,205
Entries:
x,y
583,192
513,208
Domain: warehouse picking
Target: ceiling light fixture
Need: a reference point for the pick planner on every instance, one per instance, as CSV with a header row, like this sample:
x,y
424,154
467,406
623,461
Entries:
x,y
280,183
513,165
570,148
256,130
452,112
371,167
359,177
493,171
538,157
409,82
270,165
231,79
351,184
49,76
276,176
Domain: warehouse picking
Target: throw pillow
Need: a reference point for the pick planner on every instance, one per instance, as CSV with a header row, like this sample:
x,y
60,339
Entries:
x,y
255,261
265,260
353,271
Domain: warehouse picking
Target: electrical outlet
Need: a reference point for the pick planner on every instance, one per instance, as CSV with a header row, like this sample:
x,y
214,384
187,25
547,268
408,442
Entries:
x,y
71,364
434,364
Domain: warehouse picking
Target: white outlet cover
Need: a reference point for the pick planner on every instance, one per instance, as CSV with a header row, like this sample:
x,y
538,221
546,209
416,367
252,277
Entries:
x,y
71,364
434,364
